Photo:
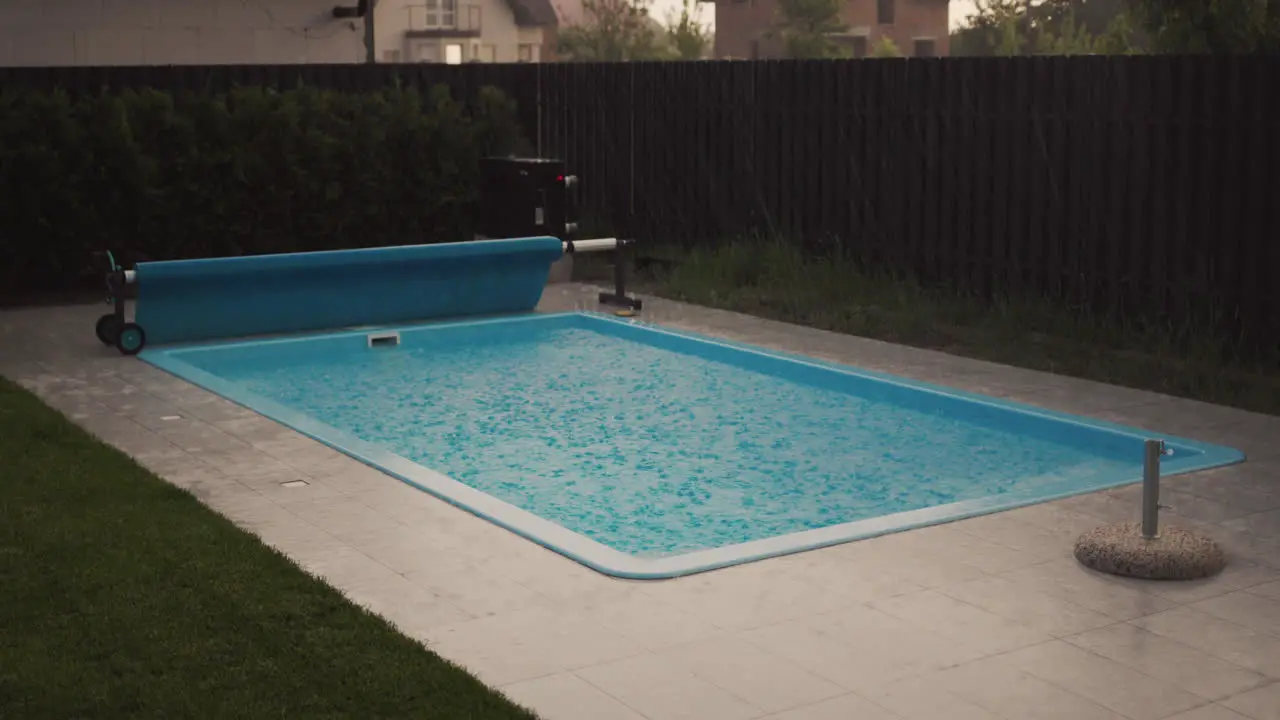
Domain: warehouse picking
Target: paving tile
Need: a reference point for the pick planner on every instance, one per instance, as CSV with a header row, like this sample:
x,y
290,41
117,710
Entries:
x,y
967,624
1164,659
1209,712
1226,640
1268,590
1246,609
553,575
657,689
655,624
743,597
767,681
478,592
1105,682
414,610
1068,580
1042,612
1101,506
860,648
527,643
1260,704
1239,574
833,573
1266,524
951,545
898,560
845,707
1010,693
343,518
919,698
565,696
1047,531
1195,507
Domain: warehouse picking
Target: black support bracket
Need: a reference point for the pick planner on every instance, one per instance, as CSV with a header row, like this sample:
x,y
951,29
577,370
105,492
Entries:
x,y
619,298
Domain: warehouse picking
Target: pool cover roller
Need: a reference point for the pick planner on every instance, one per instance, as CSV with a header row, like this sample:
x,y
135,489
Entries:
x,y
183,301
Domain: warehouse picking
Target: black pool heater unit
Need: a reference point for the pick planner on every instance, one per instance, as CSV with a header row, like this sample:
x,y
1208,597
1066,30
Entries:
x,y
525,197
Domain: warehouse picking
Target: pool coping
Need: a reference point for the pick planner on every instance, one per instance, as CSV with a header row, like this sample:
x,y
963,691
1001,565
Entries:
x,y
607,560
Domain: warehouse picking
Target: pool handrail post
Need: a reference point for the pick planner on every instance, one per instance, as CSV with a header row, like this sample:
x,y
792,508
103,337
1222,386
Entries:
x,y
1152,450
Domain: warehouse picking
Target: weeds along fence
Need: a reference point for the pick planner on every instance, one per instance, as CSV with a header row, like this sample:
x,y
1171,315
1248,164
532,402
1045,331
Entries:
x,y
1141,186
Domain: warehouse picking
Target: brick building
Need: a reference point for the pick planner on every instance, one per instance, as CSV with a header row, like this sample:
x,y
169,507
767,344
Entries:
x,y
918,27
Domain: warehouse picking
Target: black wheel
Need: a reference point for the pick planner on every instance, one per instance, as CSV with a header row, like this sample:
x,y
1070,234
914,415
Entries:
x,y
107,329
131,339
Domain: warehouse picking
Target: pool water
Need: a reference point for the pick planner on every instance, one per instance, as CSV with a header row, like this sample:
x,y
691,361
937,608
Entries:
x,y
658,445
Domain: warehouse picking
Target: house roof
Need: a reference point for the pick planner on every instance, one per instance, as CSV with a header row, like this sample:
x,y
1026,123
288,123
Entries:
x,y
533,13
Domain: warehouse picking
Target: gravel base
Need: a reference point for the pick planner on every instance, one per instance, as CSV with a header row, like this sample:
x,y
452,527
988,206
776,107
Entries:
x,y
1174,554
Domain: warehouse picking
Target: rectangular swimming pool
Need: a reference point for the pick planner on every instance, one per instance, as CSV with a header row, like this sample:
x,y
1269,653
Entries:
x,y
645,452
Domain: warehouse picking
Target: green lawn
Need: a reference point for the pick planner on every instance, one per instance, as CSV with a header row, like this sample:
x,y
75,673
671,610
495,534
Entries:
x,y
122,596
773,280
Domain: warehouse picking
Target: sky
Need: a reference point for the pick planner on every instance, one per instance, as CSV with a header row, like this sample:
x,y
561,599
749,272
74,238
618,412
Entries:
x,y
960,9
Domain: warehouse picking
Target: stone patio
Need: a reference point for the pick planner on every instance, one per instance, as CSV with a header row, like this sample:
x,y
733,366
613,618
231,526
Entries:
x,y
984,618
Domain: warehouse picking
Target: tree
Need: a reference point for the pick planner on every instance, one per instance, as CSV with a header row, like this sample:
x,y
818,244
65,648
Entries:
x,y
1070,37
1047,27
1210,26
885,48
686,35
808,28
614,31
997,28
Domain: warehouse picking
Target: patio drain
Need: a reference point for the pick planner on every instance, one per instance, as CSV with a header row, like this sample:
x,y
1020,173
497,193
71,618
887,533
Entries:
x,y
294,483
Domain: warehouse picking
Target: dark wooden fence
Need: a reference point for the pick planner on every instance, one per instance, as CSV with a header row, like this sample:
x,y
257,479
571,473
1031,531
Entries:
x,y
1145,186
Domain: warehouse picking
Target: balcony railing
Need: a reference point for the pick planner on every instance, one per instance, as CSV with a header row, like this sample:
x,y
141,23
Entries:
x,y
443,18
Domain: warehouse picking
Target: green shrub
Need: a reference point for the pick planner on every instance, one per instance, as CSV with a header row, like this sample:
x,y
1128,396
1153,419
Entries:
x,y
164,176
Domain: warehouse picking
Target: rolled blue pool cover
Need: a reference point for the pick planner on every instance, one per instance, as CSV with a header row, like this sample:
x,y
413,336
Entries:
x,y
214,298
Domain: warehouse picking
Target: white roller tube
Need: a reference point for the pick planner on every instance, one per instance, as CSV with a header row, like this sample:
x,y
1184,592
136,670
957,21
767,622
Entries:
x,y
592,245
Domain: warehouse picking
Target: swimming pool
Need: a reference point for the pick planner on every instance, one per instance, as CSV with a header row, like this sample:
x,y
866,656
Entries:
x,y
645,452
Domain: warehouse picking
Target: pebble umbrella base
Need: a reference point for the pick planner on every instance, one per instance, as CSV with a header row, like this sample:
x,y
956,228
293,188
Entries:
x,y
1174,554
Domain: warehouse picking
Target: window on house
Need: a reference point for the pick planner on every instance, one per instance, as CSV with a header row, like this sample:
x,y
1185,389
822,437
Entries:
x,y
453,54
441,13
426,52
860,46
391,56
885,11
925,47
488,53
527,52
473,17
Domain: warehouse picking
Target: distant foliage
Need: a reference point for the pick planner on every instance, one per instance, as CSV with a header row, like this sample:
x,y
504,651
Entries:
x,y
885,48
808,28
687,37
1114,27
256,171
613,31
1048,27
1210,26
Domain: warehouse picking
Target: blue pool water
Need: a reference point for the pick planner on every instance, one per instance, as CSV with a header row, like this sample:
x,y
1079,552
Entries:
x,y
656,444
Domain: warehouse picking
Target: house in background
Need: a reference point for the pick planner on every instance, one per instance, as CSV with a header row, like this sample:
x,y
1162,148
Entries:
x,y
177,32
920,28
458,31
267,32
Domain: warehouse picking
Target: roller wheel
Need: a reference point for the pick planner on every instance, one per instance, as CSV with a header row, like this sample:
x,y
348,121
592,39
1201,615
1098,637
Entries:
x,y
131,339
107,329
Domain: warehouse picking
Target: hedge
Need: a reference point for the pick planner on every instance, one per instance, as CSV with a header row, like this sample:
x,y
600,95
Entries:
x,y
154,175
